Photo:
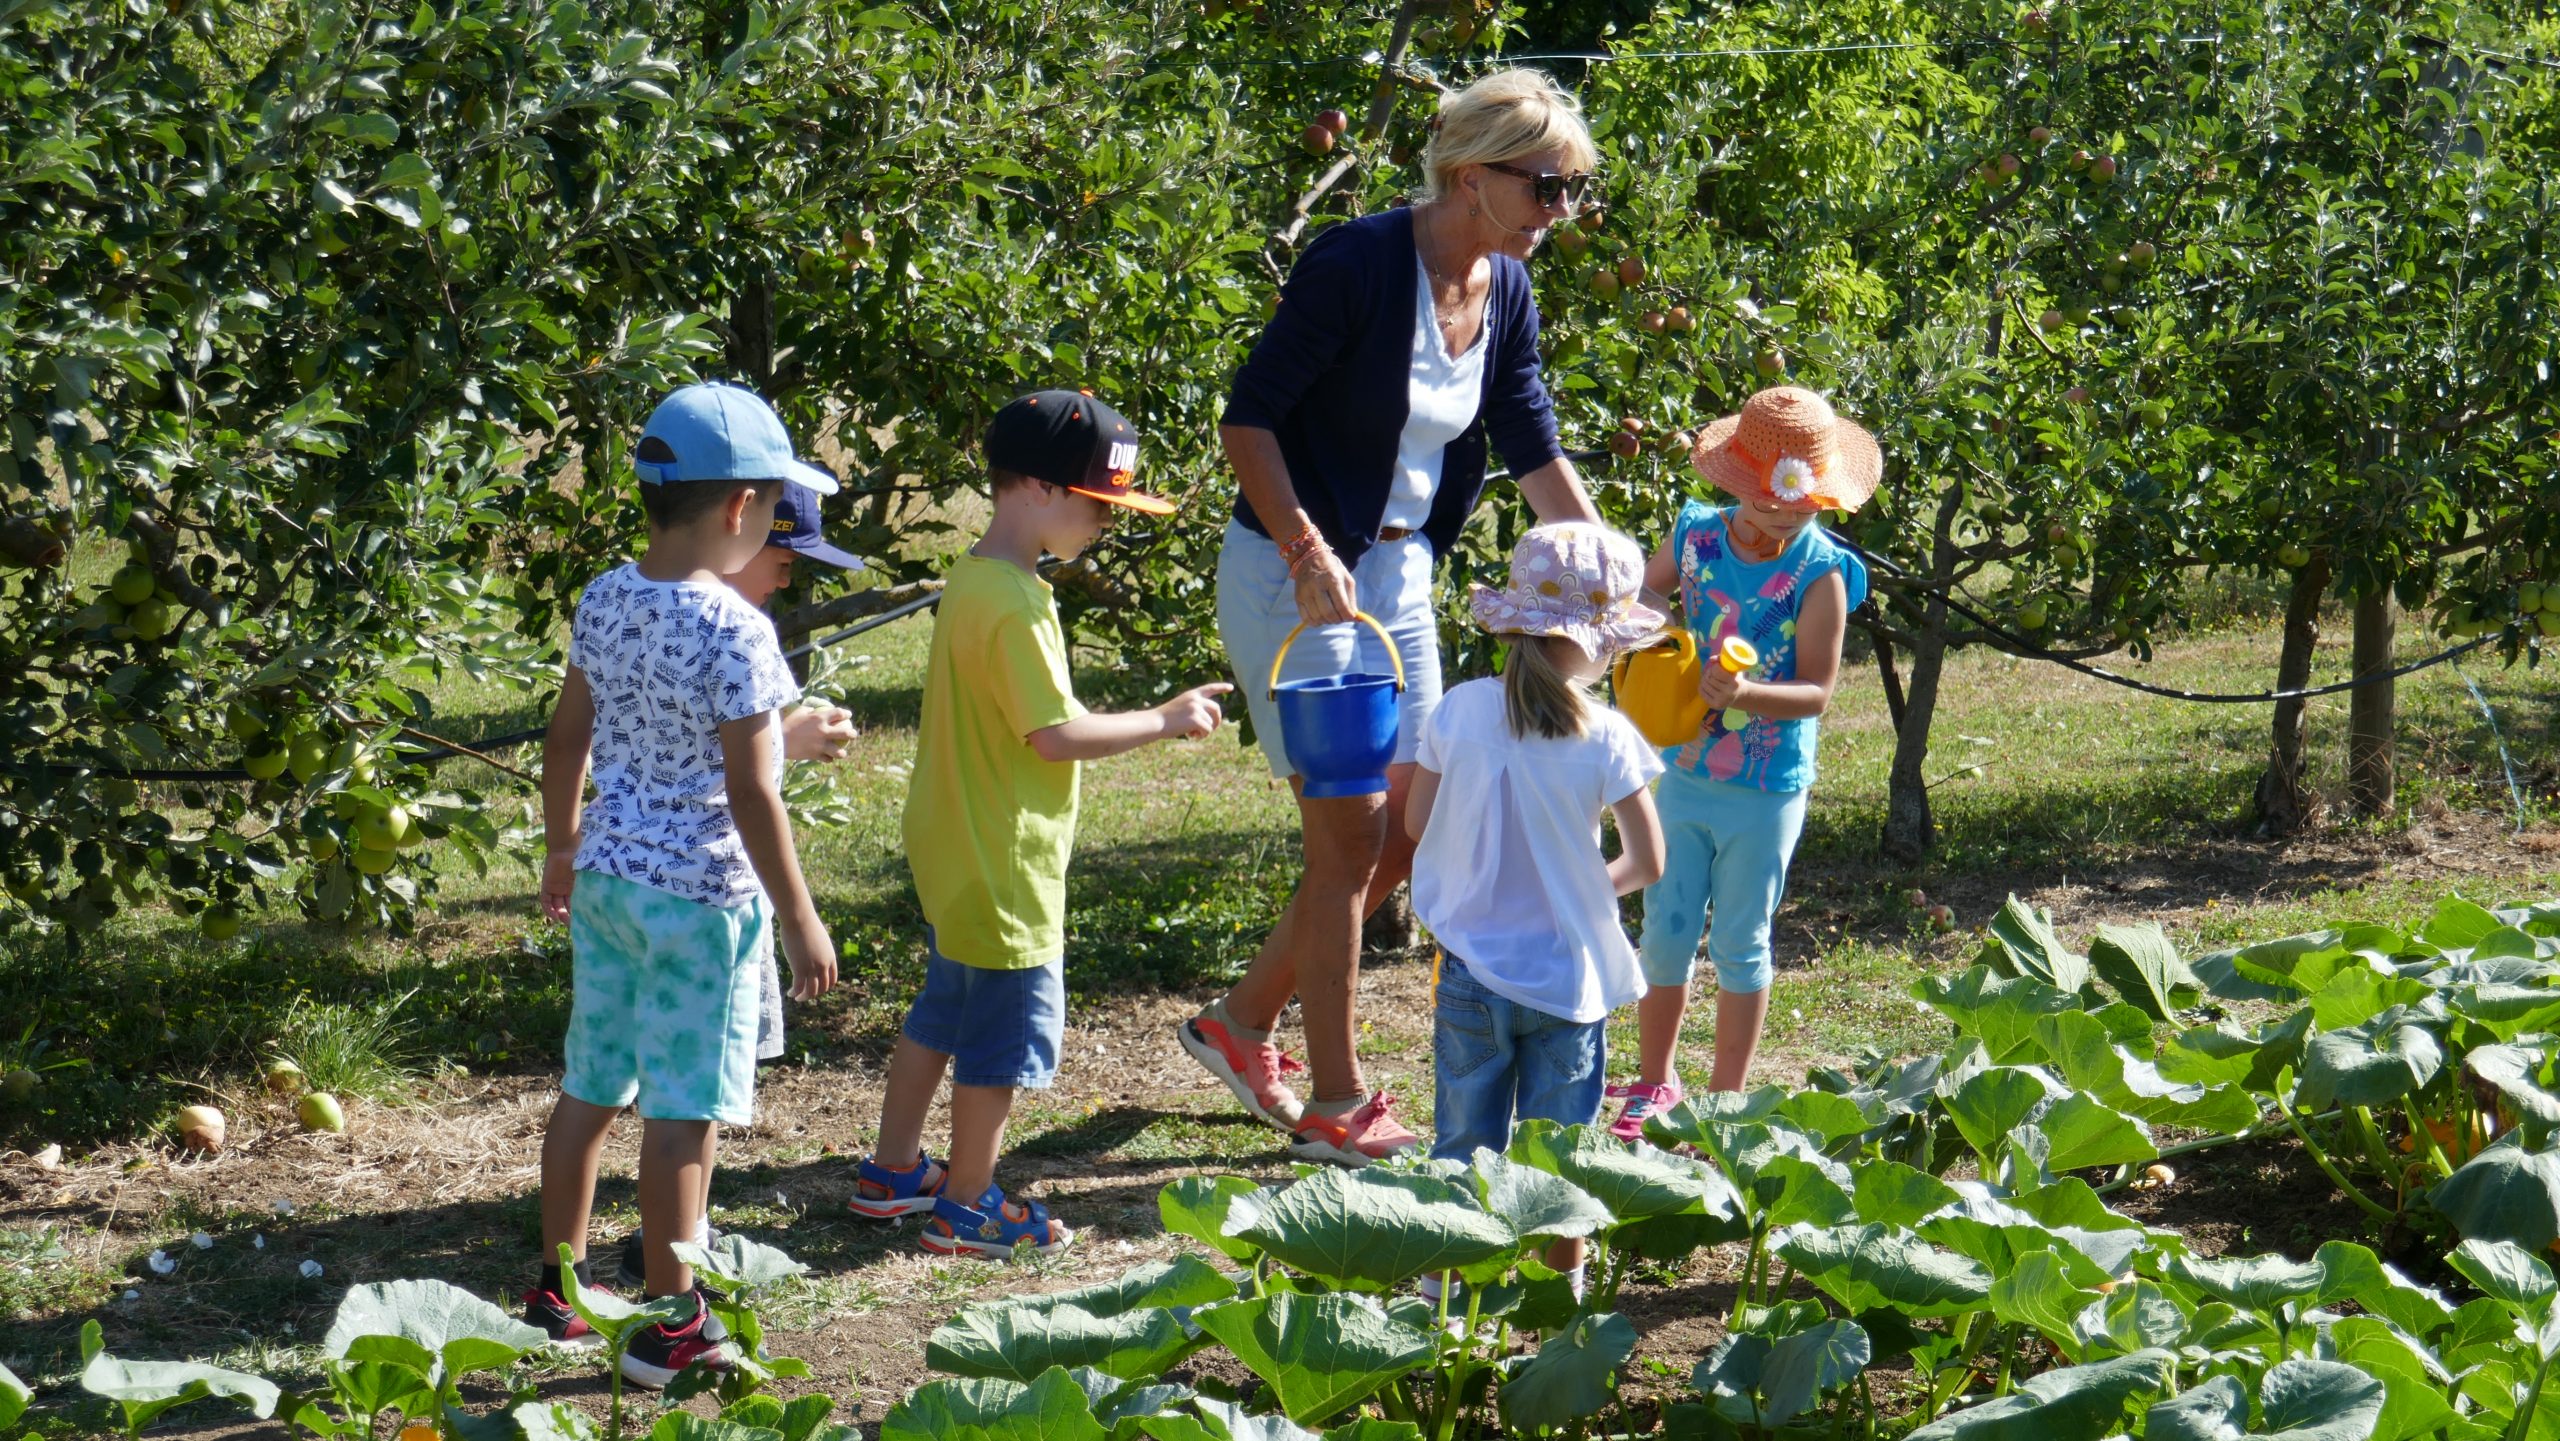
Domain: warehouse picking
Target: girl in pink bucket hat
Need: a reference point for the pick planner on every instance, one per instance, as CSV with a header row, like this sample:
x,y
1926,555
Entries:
x,y
1512,776
1732,796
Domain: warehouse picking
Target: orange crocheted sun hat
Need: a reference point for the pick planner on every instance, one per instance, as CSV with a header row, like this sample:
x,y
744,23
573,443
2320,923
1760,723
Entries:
x,y
1789,448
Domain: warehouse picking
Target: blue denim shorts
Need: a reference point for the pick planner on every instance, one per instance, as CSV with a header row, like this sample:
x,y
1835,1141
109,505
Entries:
x,y
1495,1061
1000,1028
1258,607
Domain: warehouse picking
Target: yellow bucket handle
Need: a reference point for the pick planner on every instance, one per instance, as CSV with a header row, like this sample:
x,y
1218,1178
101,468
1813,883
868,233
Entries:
x,y
1361,616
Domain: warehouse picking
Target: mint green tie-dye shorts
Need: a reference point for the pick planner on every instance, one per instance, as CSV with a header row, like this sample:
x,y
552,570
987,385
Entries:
x,y
663,1004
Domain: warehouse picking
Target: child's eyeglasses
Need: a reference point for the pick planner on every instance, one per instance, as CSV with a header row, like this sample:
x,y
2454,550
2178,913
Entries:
x,y
1550,188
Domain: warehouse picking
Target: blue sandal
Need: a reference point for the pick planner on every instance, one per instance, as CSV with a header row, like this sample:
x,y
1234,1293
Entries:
x,y
880,1194
994,1228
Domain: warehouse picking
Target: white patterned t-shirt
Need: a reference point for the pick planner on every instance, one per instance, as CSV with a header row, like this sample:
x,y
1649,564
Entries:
x,y
671,662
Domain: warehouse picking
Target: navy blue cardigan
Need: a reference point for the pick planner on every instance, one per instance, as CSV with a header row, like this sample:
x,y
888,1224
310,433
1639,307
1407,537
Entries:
x,y
1332,378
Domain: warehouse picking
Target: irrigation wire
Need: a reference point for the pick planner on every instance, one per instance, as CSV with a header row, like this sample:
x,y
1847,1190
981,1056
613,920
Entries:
x,y
2515,792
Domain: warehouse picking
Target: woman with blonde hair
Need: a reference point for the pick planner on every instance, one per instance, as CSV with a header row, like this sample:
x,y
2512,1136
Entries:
x,y
1405,343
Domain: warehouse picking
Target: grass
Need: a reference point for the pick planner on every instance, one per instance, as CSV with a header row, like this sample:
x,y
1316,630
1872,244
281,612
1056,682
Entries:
x,y
349,1050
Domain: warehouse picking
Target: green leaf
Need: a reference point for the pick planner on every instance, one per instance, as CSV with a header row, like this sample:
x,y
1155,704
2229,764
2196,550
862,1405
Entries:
x,y
2353,1273
2022,940
1802,1366
2140,964
738,1266
1229,1422
2507,1272
1538,1204
2072,1403
2216,1410
14,1396
144,1389
2458,925
1995,1101
2259,1283
421,1324
365,127
1376,1229
2299,964
1573,1375
2038,1293
2085,1133
1865,1267
1999,1011
1052,1408
1320,1354
2515,1073
2373,1064
371,1386
1370,1428
2505,1193
1634,1181
1785,1179
1731,1374
1182,1281
2306,1400
1017,1340
1893,1194
685,1426
1200,1207
2414,1383
2088,1057
2354,997
1826,1115
2135,1316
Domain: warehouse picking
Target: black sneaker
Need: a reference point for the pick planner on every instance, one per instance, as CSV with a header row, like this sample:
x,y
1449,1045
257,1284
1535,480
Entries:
x,y
544,1307
659,1353
632,1273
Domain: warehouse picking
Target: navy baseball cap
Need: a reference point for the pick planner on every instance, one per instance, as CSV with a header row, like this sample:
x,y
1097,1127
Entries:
x,y
795,528
717,431
1071,440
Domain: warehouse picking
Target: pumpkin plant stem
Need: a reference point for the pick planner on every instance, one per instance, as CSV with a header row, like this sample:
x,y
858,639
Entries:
x,y
2329,1168
2522,1426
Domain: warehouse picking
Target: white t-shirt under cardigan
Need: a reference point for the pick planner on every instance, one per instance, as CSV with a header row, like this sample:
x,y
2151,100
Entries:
x,y
1441,400
1509,875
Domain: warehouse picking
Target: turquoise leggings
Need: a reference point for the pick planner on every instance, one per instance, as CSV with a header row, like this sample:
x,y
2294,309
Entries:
x,y
1726,852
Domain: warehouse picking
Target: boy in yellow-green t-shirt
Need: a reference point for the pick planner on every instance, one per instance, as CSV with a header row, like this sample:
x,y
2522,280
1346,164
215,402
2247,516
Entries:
x,y
991,817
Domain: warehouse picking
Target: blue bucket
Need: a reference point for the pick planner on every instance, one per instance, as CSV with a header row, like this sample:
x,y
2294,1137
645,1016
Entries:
x,y
1340,730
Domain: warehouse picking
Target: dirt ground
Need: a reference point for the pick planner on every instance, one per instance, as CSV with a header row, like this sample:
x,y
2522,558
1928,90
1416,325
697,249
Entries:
x,y
445,1188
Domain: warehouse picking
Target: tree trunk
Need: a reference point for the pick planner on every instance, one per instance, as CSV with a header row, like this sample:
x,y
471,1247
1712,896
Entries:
x,y
2373,710
751,331
2285,803
1909,829
1893,702
1390,930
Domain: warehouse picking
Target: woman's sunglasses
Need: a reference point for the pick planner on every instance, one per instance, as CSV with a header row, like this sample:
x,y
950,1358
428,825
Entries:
x,y
1548,189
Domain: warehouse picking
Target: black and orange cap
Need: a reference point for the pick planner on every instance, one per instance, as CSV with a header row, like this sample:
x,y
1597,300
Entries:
x,y
1070,439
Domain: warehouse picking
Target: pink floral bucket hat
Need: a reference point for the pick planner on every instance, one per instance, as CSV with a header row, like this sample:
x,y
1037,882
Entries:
x,y
1573,579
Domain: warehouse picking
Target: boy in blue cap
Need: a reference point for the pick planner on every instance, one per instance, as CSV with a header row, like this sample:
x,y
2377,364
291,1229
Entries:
x,y
677,879
809,733
990,819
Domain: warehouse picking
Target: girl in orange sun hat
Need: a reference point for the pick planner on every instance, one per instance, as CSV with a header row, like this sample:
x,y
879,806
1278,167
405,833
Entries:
x,y
1732,796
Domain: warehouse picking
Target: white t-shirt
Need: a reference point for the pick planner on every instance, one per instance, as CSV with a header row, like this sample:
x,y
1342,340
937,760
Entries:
x,y
671,662
1441,401
1509,876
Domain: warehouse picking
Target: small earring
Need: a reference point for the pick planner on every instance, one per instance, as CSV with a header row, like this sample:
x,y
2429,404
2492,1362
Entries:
x,y
1474,209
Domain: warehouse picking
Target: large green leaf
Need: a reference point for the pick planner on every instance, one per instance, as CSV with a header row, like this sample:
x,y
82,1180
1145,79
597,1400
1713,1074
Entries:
x,y
2352,1272
1538,1204
1377,1229
1319,1354
1784,1178
1052,1408
2414,1383
1634,1181
2072,1403
2084,1132
2258,1283
423,1324
1180,1282
2506,1193
738,1266
2038,1293
2021,940
2305,1400
1200,1206
2507,1011
2515,1073
1830,1117
2216,1410
685,1426
2140,964
2352,998
2458,925
1865,1267
2088,1057
1230,1422
1995,1101
1999,1011
1804,1365
1018,1341
14,1395
144,1389
1573,1375
2001,1234
2372,1064
1893,1194
2135,1316
2299,964
2508,1273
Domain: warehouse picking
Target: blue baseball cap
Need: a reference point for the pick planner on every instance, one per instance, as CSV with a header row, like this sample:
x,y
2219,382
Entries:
x,y
795,528
718,431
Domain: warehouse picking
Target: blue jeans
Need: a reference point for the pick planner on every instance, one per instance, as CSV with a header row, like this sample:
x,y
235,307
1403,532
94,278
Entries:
x,y
1495,1061
1000,1028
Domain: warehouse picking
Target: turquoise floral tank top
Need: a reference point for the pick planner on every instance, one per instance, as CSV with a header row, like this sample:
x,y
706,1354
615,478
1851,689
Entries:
x,y
1722,594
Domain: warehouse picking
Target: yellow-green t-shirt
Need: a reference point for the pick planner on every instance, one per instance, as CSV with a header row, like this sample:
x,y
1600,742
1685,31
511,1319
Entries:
x,y
988,823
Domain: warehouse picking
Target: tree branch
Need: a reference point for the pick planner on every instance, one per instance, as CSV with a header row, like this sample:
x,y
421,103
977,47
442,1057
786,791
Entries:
x,y
849,607
1382,104
27,545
